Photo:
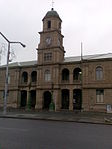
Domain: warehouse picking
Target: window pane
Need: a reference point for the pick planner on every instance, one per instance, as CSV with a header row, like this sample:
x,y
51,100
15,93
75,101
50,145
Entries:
x,y
100,96
24,77
49,24
47,56
65,74
99,73
47,75
34,76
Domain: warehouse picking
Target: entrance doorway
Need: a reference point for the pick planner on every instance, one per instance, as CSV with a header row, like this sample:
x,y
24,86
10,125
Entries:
x,y
77,99
47,100
23,99
33,98
65,99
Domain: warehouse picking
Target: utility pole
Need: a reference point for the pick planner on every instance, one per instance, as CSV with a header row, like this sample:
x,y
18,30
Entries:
x,y
7,70
82,73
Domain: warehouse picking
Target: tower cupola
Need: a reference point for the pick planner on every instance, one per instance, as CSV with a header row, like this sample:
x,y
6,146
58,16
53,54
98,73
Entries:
x,y
52,13
50,48
52,21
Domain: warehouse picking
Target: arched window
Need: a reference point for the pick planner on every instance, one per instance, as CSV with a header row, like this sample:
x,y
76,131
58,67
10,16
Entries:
x,y
65,74
77,74
47,75
99,73
34,76
49,24
24,77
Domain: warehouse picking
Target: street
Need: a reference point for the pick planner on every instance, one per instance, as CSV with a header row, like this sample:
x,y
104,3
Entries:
x,y
36,134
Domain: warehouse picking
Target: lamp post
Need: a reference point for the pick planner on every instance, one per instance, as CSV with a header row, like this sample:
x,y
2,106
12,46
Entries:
x,y
7,70
81,73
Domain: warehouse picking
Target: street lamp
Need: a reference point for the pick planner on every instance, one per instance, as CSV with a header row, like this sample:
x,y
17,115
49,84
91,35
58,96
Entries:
x,y
7,70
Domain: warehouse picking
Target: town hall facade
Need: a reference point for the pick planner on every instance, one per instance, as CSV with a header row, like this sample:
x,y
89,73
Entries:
x,y
73,83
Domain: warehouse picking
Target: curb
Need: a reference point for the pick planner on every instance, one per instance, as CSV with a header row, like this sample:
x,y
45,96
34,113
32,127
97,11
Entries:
x,y
56,119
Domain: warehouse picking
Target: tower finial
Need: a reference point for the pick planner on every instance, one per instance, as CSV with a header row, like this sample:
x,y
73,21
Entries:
x,y
52,4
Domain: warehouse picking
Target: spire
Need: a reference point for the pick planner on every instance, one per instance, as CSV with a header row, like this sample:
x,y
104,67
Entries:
x,y
52,5
52,13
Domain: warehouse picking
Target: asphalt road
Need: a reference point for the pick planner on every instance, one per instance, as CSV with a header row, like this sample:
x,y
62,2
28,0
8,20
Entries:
x,y
35,134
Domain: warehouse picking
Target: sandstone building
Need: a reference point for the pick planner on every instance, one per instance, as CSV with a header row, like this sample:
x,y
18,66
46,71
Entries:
x,y
74,83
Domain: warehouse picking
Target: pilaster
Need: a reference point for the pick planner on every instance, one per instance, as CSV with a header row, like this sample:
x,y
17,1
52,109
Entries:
x,y
71,100
39,100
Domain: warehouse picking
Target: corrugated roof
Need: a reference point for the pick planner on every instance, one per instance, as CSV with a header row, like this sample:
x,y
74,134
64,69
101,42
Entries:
x,y
99,56
67,59
72,59
28,63
21,64
88,57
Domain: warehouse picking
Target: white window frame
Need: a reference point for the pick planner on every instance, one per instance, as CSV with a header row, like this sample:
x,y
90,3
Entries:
x,y
47,56
99,73
100,96
47,75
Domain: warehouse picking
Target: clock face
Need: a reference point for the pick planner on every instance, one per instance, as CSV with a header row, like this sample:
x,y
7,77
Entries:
x,y
48,40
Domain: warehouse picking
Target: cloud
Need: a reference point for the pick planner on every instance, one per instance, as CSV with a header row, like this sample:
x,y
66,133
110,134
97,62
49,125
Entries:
x,y
83,20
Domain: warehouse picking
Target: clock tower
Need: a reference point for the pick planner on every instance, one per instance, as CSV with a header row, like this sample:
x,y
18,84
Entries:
x,y
50,56
50,48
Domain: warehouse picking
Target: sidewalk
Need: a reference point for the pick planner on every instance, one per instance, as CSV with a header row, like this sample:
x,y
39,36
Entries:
x,y
65,116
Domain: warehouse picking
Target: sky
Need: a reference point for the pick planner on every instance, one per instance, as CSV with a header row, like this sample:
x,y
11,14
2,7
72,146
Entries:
x,y
86,21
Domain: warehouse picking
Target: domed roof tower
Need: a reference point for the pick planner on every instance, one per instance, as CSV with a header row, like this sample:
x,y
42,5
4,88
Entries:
x,y
52,13
52,21
50,49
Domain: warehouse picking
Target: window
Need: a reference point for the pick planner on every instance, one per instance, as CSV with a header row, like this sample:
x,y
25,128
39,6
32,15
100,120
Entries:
x,y
65,74
24,77
59,25
99,95
99,73
34,76
47,75
47,56
77,74
49,24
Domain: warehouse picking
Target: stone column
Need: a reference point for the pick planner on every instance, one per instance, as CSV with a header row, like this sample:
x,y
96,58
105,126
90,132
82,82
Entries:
x,y
28,98
39,100
71,100
85,99
57,99
71,77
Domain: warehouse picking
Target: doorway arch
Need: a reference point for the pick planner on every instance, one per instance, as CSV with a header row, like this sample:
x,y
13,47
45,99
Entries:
x,y
47,100
23,99
65,99
33,98
77,99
